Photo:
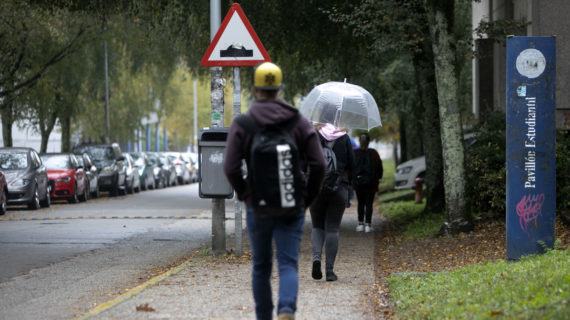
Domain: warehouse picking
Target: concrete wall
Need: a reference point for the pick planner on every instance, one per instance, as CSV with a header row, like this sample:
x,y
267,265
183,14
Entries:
x,y
551,17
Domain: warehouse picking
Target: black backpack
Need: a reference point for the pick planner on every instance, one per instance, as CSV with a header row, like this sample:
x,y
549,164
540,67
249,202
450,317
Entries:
x,y
363,172
331,181
273,170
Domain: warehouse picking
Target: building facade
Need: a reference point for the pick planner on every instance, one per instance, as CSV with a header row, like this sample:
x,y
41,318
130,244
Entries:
x,y
526,17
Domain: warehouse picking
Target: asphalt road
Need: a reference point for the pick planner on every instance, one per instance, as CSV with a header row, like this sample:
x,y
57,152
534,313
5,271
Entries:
x,y
58,262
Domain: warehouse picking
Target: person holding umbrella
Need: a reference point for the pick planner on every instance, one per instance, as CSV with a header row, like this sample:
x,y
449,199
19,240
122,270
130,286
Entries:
x,y
327,210
331,106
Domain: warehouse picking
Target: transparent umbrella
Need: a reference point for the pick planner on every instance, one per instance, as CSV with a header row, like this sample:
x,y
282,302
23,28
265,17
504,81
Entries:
x,y
342,104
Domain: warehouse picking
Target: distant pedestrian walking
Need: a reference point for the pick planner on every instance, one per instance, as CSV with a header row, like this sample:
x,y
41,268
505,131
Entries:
x,y
328,208
279,146
368,173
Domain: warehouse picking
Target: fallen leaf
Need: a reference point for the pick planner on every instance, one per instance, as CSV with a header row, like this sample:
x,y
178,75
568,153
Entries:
x,y
145,308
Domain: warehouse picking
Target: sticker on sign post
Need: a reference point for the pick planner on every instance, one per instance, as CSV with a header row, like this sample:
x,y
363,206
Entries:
x,y
531,145
235,44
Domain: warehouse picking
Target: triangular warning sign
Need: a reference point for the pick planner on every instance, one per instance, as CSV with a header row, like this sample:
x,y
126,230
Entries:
x,y
235,44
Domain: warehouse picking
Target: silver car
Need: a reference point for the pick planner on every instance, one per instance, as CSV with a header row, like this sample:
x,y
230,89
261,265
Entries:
x,y
407,172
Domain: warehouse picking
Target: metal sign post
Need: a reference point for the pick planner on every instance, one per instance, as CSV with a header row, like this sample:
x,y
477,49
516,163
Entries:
x,y
217,120
238,211
234,43
531,145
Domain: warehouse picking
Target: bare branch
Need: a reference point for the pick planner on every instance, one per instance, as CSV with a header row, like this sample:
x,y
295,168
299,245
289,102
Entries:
x,y
61,54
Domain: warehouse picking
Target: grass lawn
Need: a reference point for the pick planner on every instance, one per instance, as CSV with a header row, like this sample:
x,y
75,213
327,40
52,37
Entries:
x,y
409,216
537,287
465,276
387,182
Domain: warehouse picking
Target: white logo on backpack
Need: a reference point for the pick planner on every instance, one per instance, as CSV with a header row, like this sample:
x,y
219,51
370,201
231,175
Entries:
x,y
286,178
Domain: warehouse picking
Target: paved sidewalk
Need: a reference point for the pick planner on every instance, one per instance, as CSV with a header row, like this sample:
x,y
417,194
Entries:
x,y
219,288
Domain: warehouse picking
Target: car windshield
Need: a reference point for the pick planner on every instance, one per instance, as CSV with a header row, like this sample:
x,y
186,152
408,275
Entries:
x,y
56,162
13,160
100,153
152,159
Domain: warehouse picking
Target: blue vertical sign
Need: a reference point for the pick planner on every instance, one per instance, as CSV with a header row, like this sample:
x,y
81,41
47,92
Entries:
x,y
531,145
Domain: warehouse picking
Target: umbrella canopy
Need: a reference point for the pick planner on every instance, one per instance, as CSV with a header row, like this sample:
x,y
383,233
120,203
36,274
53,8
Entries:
x,y
342,104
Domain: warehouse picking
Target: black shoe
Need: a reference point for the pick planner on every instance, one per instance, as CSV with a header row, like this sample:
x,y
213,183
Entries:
x,y
331,276
317,273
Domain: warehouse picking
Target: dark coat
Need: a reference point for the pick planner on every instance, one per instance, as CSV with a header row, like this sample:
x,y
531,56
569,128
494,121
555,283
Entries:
x,y
375,167
274,112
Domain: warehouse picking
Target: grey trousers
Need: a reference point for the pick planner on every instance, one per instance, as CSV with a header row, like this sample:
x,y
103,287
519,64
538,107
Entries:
x,y
326,216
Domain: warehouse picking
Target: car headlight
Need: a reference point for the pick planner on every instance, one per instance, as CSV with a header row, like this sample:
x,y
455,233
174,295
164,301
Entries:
x,y
64,179
156,171
404,170
21,182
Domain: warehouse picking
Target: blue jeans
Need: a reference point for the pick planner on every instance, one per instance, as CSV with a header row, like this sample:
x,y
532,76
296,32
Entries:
x,y
287,233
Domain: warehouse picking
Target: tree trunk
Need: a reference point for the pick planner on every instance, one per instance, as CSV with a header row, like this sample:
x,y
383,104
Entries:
x,y
65,122
7,122
46,127
439,14
433,178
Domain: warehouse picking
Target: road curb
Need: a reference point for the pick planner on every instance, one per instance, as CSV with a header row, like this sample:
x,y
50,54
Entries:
x,y
133,292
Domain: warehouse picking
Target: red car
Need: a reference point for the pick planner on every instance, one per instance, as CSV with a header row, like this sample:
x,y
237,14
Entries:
x,y
66,177
3,193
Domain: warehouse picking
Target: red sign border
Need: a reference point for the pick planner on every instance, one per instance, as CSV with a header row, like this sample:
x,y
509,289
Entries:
x,y
234,63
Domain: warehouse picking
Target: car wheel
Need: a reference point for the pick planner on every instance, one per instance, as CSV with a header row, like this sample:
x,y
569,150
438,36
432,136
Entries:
x,y
83,197
114,190
46,203
96,193
35,202
74,198
4,204
123,190
131,189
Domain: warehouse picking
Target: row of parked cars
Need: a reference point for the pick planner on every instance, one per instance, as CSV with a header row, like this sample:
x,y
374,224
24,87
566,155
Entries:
x,y
32,179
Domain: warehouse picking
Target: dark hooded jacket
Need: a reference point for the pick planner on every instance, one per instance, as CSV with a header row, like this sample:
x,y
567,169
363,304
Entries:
x,y
274,112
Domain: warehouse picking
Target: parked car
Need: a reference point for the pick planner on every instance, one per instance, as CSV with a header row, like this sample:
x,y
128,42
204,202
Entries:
x,y
407,172
67,178
161,174
170,168
3,194
26,177
133,176
109,161
145,168
192,165
183,175
91,171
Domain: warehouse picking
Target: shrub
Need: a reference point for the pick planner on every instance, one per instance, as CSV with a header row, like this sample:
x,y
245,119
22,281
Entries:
x,y
563,172
485,168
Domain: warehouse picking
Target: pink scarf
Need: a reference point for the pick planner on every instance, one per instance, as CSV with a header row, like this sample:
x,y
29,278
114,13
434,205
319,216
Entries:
x,y
330,132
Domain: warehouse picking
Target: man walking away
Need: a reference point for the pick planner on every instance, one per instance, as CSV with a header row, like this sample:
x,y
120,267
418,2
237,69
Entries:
x,y
279,146
369,171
